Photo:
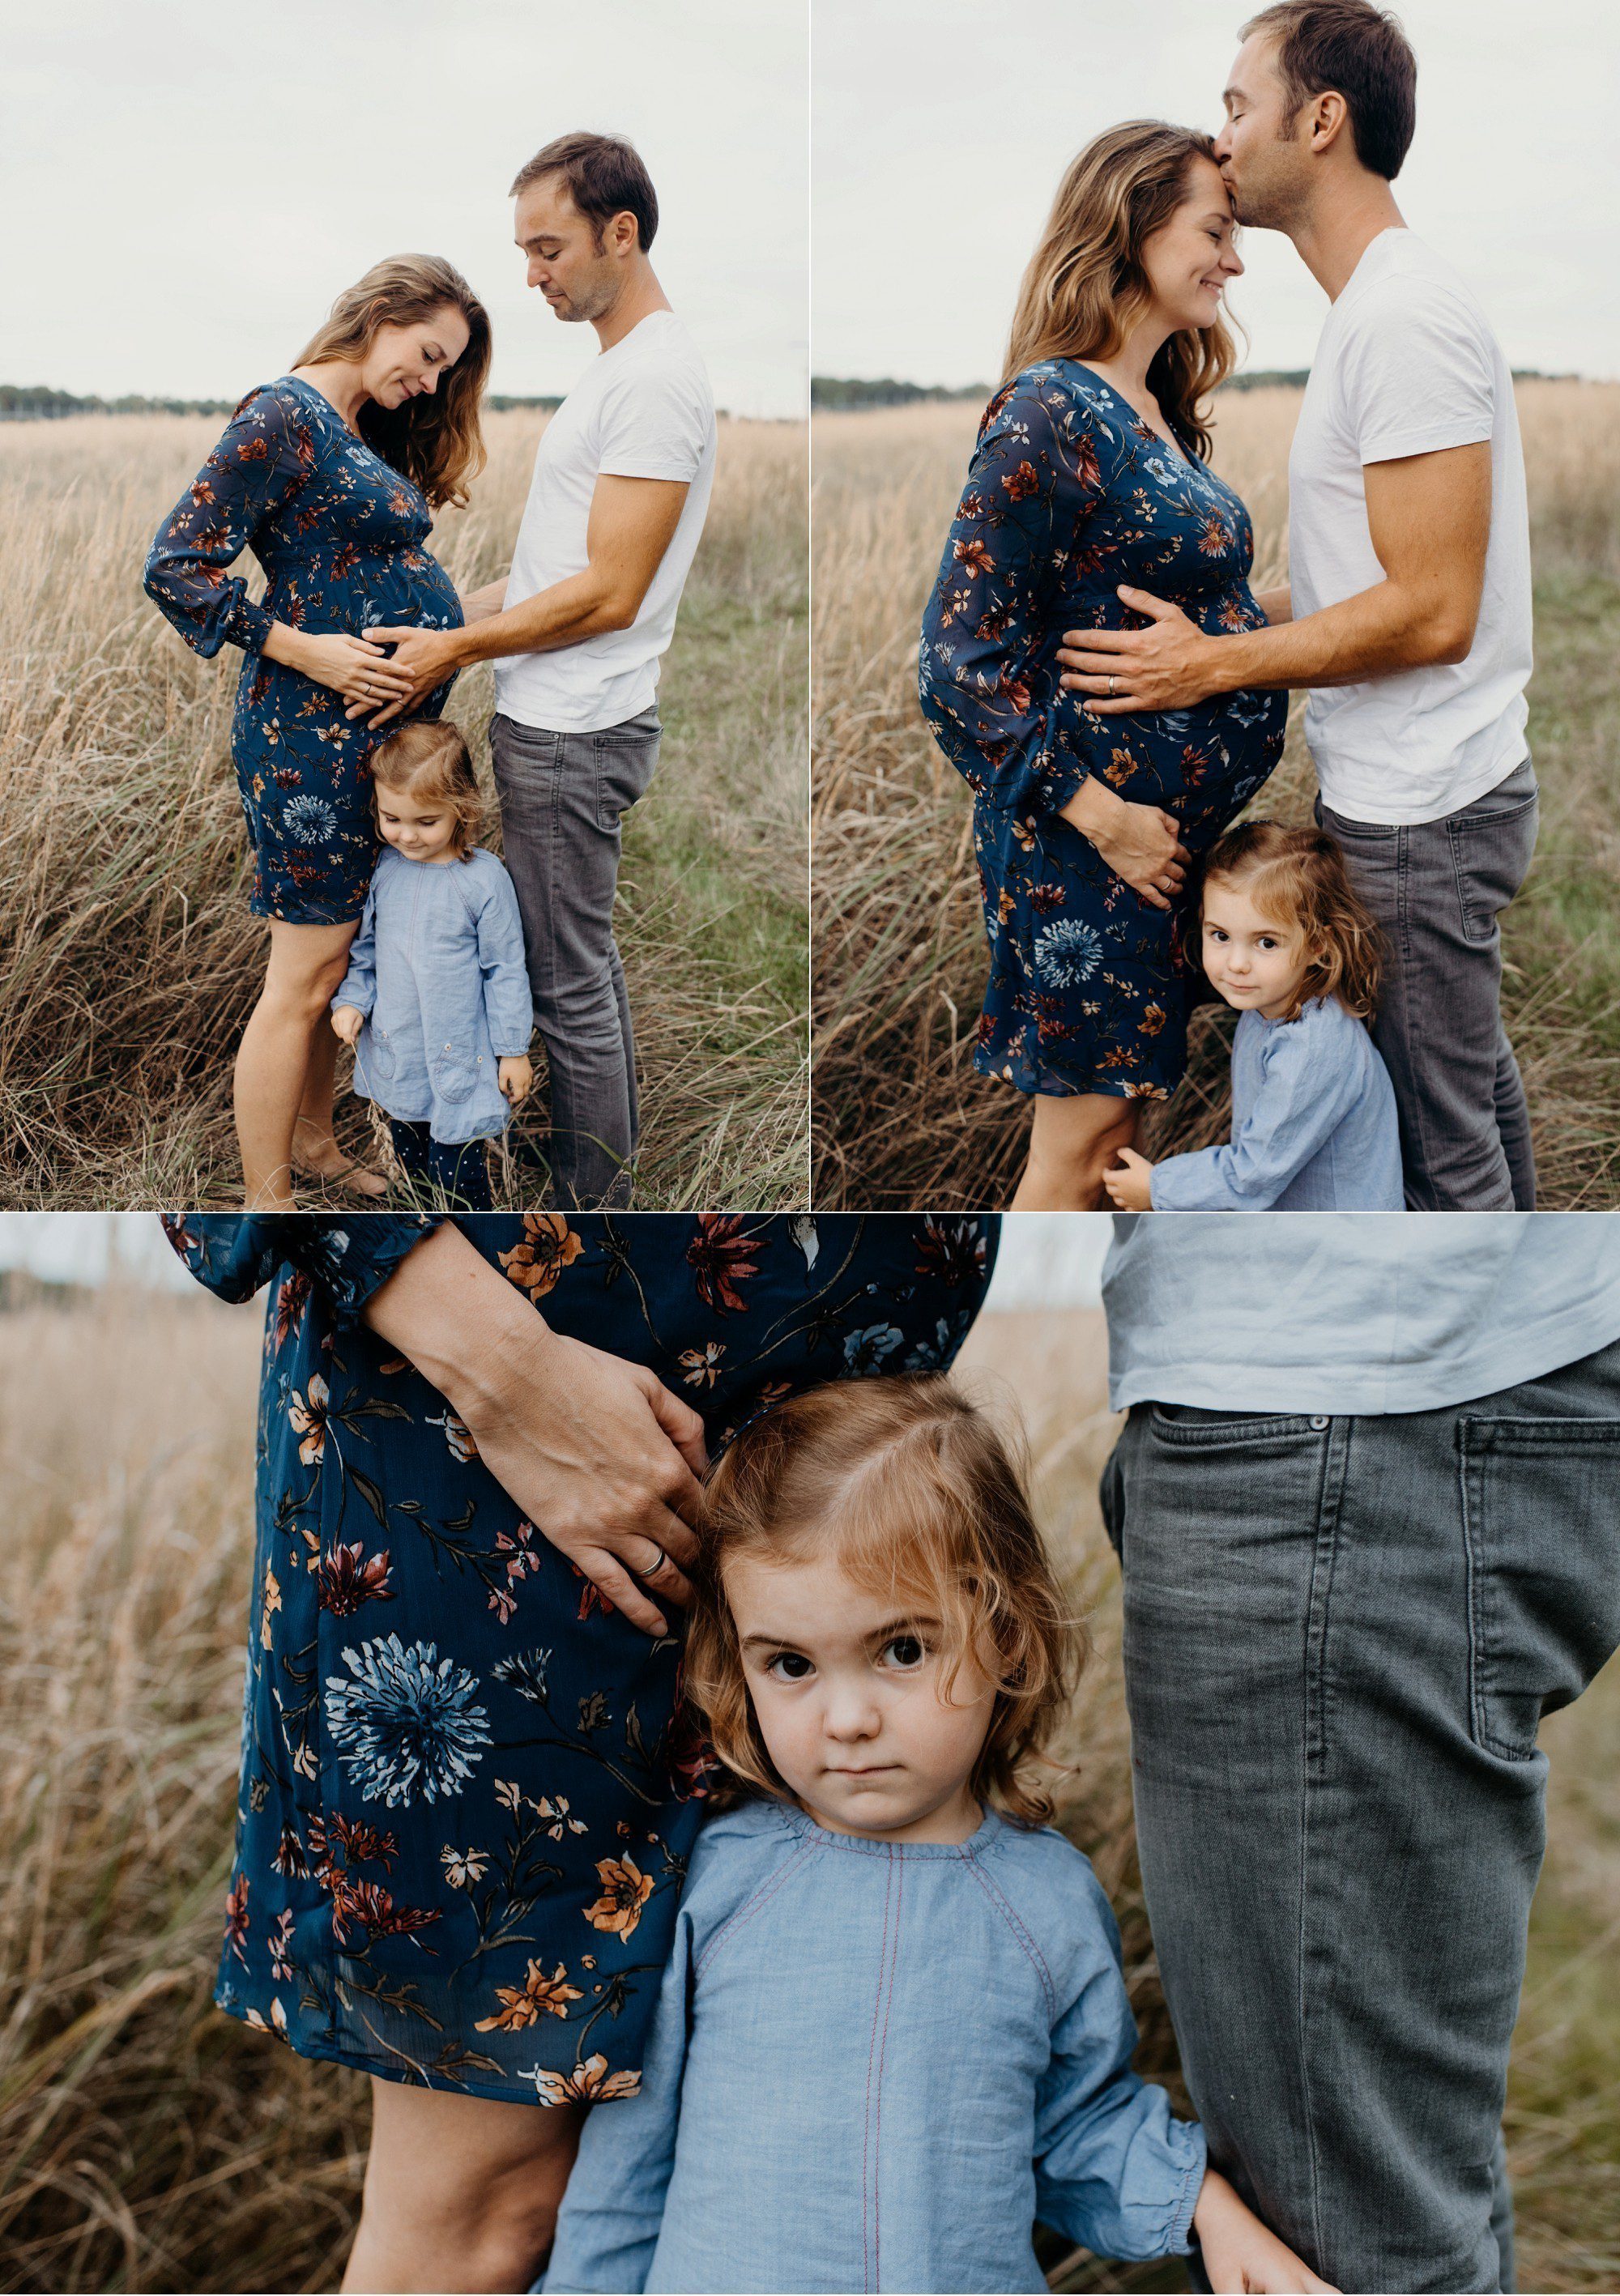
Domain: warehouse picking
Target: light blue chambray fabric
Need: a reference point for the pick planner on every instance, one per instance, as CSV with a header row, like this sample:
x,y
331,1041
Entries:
x,y
1313,1125
874,2066
438,967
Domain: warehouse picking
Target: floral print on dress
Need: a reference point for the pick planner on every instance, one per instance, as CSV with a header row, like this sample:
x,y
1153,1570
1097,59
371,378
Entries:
x,y
1071,493
466,1801
340,534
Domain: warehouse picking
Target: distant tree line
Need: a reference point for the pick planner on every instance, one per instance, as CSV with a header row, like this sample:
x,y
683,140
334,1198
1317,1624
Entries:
x,y
37,403
831,391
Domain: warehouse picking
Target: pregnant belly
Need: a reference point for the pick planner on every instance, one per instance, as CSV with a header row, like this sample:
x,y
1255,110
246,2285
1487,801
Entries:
x,y
410,589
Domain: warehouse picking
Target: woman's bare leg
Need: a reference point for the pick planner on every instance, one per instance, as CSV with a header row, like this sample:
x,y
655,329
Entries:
x,y
1073,1142
461,2191
306,964
315,1148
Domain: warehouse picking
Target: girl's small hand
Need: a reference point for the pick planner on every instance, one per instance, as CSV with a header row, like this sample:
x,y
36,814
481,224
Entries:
x,y
348,1021
1240,2257
515,1078
1131,1185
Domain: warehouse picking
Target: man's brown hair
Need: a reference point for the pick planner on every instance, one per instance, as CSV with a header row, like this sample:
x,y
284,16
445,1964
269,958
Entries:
x,y
605,177
1358,52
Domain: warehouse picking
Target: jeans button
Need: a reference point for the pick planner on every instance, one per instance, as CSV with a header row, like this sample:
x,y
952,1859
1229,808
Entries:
x,y
1319,1420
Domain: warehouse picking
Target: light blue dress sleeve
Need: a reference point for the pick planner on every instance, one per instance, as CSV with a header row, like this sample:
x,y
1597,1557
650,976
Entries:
x,y
1114,2169
1302,1100
359,983
608,2226
508,1006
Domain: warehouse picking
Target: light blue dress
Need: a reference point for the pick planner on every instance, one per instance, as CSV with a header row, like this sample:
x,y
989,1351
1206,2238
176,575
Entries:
x,y
873,2066
437,966
1313,1125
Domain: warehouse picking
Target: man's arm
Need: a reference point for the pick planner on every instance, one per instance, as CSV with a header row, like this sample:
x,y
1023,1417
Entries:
x,y
632,523
1429,517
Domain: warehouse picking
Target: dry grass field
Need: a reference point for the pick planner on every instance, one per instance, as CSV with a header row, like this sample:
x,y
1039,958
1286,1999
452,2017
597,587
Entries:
x,y
898,960
128,959
148,2143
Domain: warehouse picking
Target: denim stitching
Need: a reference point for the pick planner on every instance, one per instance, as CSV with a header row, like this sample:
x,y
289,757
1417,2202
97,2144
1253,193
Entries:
x,y
1334,1463
751,1906
883,2050
1028,1944
867,2242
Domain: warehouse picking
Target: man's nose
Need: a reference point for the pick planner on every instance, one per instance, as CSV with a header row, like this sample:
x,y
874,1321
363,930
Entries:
x,y
1223,143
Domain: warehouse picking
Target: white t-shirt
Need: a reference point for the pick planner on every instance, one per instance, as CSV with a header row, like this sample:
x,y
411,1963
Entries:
x,y
642,410
1407,365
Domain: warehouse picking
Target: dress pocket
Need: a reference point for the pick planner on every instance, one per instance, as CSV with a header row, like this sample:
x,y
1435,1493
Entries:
x,y
1538,1513
380,1055
455,1073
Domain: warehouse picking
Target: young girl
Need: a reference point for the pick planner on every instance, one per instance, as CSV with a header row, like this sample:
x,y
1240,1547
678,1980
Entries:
x,y
436,998
1287,940
895,2031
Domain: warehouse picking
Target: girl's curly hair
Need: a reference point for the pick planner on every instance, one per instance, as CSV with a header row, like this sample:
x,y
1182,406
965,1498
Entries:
x,y
1298,876
908,1483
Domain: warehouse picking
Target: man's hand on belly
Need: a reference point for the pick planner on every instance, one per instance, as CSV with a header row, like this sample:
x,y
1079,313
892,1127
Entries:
x,y
427,656
1167,666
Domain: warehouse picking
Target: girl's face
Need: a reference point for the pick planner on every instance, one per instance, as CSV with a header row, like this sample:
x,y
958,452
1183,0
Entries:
x,y
423,829
1189,259
847,1690
1254,962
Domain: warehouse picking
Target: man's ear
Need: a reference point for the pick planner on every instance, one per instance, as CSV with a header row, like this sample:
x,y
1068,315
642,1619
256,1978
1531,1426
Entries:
x,y
1328,120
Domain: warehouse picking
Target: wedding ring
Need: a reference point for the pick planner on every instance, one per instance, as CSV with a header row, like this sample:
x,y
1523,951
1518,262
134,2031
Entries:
x,y
1113,688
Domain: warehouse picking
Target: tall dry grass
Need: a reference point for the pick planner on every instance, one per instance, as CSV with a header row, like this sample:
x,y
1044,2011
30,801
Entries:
x,y
898,951
148,2143
127,960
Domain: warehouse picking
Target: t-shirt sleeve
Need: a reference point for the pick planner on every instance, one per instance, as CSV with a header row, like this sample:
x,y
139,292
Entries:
x,y
654,424
1417,374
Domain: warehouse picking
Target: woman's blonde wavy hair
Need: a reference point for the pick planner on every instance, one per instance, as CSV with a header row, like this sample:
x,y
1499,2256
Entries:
x,y
1085,289
436,441
908,1484
1297,877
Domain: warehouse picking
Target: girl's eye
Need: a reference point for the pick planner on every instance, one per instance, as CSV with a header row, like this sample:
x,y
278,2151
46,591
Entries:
x,y
790,1666
905,1651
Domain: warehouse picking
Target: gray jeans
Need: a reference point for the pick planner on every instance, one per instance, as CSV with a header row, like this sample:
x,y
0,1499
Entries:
x,y
1436,888
1340,1636
562,799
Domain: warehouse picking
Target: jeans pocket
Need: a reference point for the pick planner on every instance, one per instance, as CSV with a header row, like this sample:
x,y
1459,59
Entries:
x,y
1490,858
1186,1426
1538,1514
624,760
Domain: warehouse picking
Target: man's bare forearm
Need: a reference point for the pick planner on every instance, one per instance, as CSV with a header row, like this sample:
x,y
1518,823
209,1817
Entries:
x,y
583,606
1372,634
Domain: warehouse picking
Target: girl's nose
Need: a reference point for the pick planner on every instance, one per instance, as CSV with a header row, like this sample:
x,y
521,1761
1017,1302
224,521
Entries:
x,y
849,1717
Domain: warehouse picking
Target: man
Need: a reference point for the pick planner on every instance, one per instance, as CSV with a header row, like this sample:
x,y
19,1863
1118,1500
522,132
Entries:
x,y
1365,1509
621,485
1408,614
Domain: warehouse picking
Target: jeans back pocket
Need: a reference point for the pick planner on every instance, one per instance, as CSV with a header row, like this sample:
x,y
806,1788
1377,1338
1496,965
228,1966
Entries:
x,y
1544,1561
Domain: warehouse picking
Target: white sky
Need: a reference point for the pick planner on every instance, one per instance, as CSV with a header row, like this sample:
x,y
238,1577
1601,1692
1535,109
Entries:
x,y
941,128
1047,1259
185,186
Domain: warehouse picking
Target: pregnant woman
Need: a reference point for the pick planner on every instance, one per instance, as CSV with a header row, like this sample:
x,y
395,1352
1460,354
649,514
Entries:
x,y
463,1815
1090,484
329,476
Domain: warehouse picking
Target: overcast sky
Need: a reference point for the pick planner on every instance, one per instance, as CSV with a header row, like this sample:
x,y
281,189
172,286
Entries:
x,y
185,185
941,128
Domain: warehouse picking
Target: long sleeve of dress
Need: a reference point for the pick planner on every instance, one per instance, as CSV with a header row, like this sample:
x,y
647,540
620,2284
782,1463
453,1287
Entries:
x,y
1114,2169
236,1253
257,466
988,675
1300,1101
612,2210
508,1005
359,985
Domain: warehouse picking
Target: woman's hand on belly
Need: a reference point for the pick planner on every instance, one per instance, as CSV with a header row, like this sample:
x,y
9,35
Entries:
x,y
424,658
1170,665
1141,843
361,672
602,1458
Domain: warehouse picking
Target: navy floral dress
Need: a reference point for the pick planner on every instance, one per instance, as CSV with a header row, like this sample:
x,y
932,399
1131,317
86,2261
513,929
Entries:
x,y
1070,494
339,535
464,1812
